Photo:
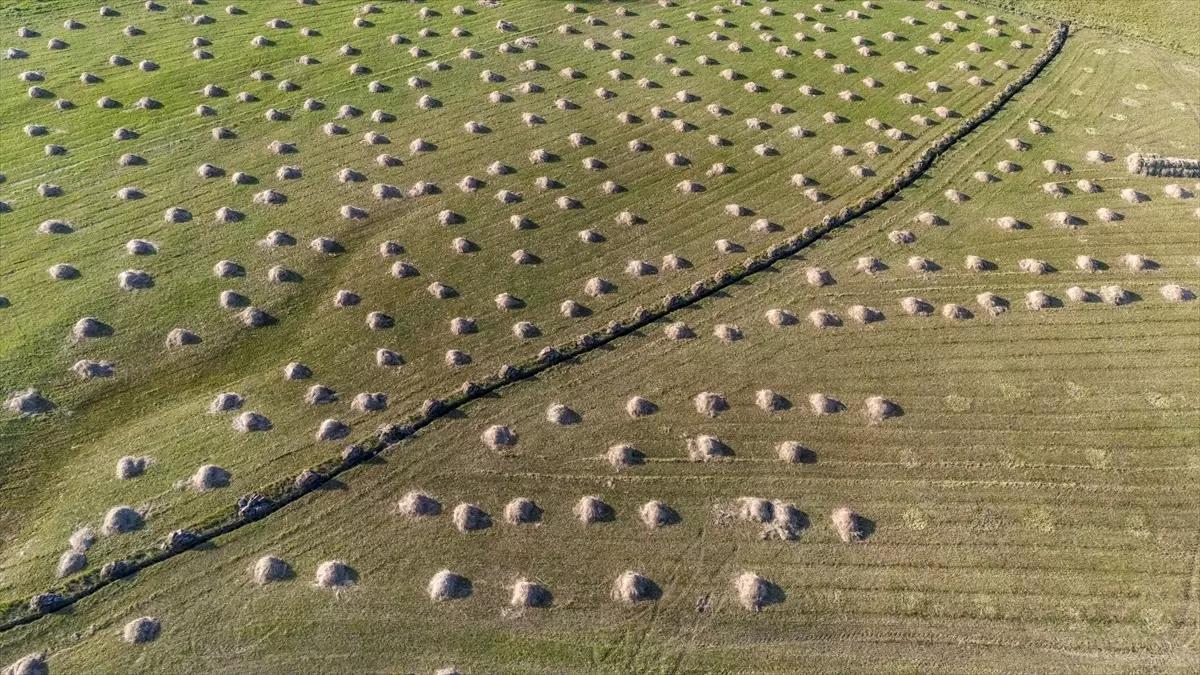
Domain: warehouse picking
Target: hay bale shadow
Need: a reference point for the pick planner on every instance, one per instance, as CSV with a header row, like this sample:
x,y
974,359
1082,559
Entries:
x,y
772,594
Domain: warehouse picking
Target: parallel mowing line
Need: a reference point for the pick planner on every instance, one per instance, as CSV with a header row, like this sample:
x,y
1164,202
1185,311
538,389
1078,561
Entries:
x,y
289,490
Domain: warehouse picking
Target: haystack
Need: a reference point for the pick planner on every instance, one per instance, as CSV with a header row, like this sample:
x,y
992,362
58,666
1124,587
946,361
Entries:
x,y
824,405
781,317
655,514
469,517
1136,262
268,569
710,403
879,409
705,448
847,524
916,306
631,588
864,314
119,520
82,539
1037,300
591,509
1176,293
334,573
522,511
251,421
140,630
1034,266
417,504
225,402
529,594
560,414
87,369
131,467
727,333
770,401
1097,157
69,563
824,319
754,592
1115,295
209,477
499,437
991,303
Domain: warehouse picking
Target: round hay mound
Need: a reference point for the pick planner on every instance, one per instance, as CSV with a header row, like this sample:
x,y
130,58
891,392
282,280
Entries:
x,y
268,569
991,303
879,409
1115,295
1036,300
956,312
90,327
792,452
755,510
916,306
781,317
225,402
469,517
447,585
707,448
1176,293
522,511
209,477
560,414
622,455
710,403
334,574
250,421
418,504
770,401
754,592
131,467
637,406
498,437
141,630
591,509
847,524
1135,262
864,314
655,514
824,319
631,588
30,664
824,405
727,333
529,594
1033,266
332,430
119,520
69,563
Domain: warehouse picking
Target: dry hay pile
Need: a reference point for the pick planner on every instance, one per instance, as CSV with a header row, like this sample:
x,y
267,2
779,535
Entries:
x,y
864,314
1176,293
334,574
469,517
591,509
209,477
710,403
847,524
498,437
1036,300
655,514
678,330
251,421
529,594
754,592
622,455
140,630
631,587
991,303
268,569
879,409
1115,295
557,413
707,448
824,405
770,401
119,520
418,504
522,511
781,317
727,333
792,452
1162,167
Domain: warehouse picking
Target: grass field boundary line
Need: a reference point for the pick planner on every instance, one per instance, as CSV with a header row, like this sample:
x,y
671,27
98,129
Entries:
x,y
255,506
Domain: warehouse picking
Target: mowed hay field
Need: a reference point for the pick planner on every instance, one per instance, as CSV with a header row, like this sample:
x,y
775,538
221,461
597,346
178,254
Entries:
x,y
1025,503
215,162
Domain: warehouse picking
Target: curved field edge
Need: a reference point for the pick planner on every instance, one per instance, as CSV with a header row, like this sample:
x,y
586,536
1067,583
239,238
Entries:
x,y
257,505
1157,22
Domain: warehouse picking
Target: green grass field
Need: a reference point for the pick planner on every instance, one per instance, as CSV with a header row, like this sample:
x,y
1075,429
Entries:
x,y
1031,509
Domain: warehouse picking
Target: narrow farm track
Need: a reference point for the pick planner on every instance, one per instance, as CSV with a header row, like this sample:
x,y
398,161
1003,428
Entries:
x,y
257,506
